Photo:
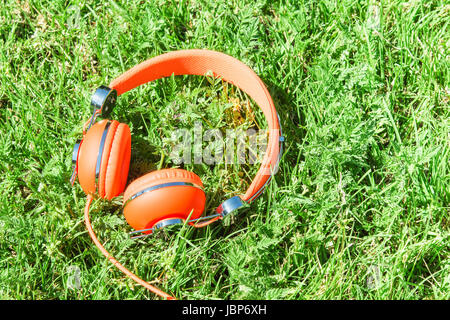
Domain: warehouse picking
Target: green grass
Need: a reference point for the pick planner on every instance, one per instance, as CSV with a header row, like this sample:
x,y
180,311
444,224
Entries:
x,y
358,210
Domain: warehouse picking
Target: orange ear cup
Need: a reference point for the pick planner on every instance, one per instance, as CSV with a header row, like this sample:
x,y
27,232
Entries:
x,y
163,194
114,148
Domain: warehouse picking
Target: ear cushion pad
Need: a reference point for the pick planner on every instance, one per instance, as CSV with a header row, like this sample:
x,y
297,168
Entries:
x,y
105,157
87,157
159,177
118,162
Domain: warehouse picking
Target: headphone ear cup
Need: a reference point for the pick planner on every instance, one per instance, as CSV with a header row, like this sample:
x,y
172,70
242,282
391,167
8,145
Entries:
x,y
111,141
116,169
163,194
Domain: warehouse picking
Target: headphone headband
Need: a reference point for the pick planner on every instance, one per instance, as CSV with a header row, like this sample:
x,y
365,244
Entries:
x,y
199,62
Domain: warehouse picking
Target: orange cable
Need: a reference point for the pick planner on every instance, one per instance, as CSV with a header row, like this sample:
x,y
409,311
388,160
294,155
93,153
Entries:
x,y
204,224
85,125
113,260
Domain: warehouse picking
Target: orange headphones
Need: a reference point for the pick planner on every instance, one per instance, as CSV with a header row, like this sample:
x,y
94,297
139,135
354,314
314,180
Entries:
x,y
168,196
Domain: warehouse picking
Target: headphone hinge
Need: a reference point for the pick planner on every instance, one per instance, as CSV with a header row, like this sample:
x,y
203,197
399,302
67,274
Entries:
x,y
230,205
104,99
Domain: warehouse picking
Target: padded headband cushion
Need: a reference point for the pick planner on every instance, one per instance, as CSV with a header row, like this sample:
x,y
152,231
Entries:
x,y
200,62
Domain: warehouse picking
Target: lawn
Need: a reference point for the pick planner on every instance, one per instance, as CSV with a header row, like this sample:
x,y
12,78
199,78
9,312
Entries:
x,y
359,208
